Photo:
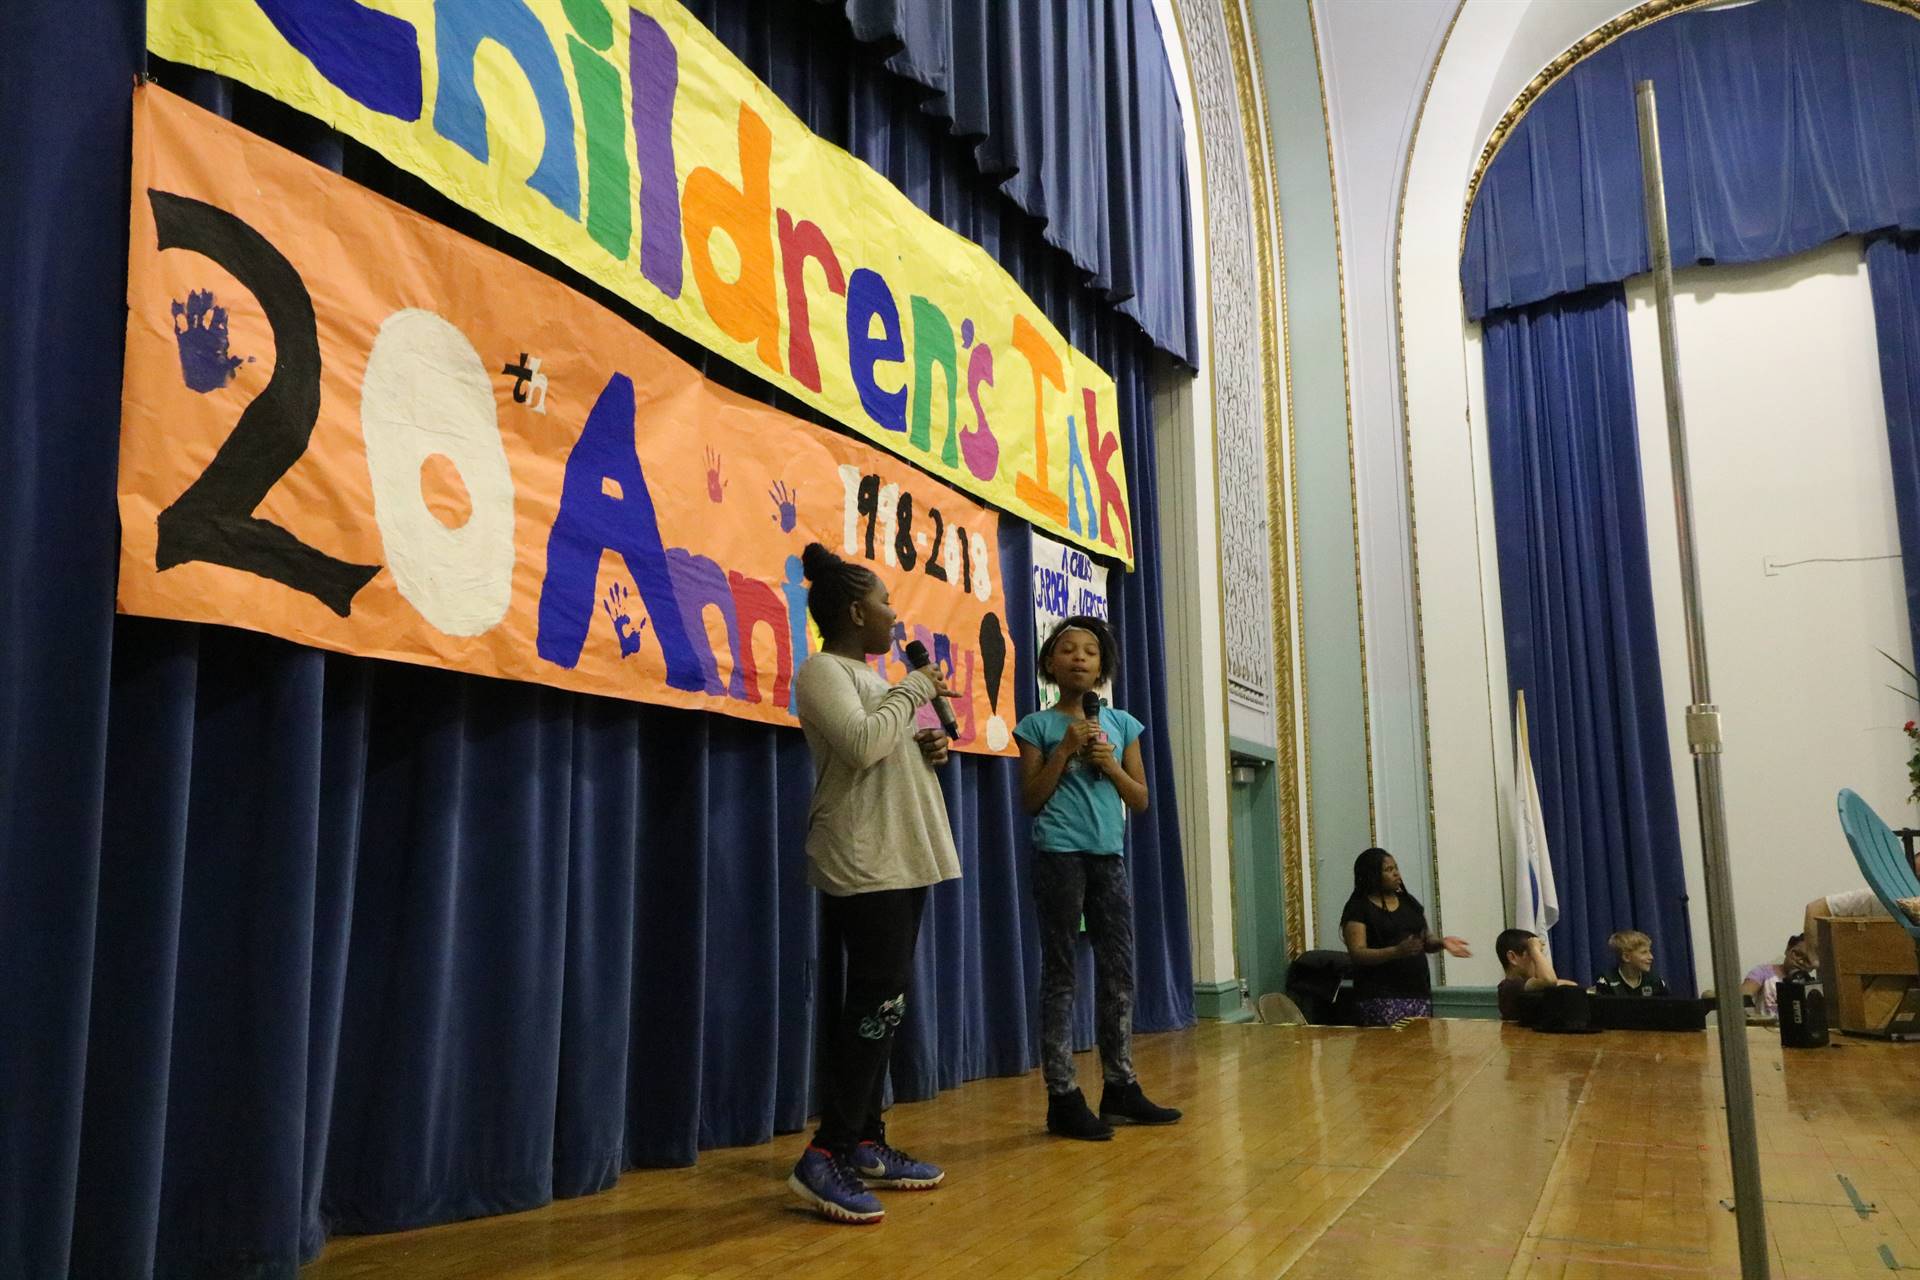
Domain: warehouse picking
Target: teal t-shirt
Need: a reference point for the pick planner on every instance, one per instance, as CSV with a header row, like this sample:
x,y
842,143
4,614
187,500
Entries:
x,y
1084,814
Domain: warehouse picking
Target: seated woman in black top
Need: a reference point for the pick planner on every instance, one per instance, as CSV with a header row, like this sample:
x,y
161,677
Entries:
x,y
1386,933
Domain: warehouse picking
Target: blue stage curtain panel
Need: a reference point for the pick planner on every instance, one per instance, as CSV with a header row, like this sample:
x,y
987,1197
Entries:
x,y
1073,107
1577,597
294,943
1893,274
1783,124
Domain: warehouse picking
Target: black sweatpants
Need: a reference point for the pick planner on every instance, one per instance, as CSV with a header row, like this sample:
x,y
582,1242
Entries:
x,y
878,931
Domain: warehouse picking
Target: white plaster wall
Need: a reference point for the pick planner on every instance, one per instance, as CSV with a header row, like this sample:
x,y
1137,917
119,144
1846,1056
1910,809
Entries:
x,y
1540,30
1469,722
1334,820
1183,426
1799,568
1496,47
1375,58
1765,351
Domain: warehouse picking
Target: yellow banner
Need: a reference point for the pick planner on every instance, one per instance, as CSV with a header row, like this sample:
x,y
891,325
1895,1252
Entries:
x,y
348,426
632,145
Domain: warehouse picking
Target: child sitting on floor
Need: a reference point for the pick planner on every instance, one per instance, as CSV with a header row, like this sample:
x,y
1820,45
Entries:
x,y
1762,984
1529,971
1633,975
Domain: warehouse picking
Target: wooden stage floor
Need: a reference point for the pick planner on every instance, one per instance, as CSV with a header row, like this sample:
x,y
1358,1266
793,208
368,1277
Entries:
x,y
1446,1149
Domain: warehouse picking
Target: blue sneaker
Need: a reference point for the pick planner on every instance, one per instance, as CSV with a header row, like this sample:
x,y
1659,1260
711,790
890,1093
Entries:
x,y
828,1183
880,1165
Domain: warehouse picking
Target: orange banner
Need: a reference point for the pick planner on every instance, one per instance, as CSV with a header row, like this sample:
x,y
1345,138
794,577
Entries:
x,y
348,426
623,138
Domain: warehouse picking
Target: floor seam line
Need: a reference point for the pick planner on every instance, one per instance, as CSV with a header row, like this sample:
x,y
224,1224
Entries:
x,y
1394,1159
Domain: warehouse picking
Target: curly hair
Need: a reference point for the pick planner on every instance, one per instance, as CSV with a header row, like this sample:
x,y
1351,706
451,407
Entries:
x,y
1099,630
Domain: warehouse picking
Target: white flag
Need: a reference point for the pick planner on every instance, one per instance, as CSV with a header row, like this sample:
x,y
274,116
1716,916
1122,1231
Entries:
x,y
1536,904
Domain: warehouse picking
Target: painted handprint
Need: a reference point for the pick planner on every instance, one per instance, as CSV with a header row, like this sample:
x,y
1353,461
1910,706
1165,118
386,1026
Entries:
x,y
786,504
714,483
623,629
200,328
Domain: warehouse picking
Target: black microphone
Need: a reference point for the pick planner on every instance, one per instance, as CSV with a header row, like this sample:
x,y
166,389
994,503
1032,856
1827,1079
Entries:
x,y
1090,708
917,658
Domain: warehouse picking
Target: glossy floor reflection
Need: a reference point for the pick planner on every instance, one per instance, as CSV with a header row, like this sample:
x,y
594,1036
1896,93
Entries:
x,y
1446,1149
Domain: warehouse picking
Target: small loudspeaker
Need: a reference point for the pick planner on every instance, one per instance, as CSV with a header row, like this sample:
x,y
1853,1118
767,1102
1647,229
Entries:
x,y
1803,1013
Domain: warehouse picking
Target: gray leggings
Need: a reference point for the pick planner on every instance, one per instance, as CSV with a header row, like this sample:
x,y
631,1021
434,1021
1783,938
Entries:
x,y
1066,888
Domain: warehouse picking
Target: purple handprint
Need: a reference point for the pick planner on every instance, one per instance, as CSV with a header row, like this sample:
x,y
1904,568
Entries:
x,y
623,629
200,328
715,485
786,504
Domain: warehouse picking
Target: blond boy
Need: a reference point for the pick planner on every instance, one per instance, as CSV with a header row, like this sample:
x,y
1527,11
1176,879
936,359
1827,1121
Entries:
x,y
1632,974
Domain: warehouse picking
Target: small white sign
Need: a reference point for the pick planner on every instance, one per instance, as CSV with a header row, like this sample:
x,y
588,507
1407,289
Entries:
x,y
1067,582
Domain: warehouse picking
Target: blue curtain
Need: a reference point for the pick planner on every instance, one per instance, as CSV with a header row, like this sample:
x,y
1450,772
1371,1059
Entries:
x,y
294,942
1893,273
1577,595
1073,107
1783,124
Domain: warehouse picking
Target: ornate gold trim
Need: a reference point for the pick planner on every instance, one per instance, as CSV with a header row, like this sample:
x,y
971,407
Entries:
x,y
1298,624
1346,377
1406,445
1305,705
1642,15
1273,360
1594,41
1480,568
1213,441
1304,809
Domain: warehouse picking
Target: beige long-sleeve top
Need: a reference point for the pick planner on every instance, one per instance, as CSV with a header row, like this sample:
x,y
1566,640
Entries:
x,y
878,820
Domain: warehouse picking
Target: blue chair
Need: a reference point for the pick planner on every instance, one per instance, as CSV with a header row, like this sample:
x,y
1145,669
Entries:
x,y
1883,862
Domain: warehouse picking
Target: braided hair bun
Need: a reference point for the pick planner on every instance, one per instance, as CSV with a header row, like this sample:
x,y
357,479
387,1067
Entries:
x,y
833,585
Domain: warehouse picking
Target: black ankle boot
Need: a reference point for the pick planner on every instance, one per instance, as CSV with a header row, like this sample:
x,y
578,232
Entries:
x,y
1068,1117
1126,1104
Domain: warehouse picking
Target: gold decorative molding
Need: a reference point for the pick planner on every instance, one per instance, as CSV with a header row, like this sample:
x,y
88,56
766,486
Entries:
x,y
1593,42
1230,127
1303,811
1645,14
1346,377
1641,15
1273,361
1406,444
1213,436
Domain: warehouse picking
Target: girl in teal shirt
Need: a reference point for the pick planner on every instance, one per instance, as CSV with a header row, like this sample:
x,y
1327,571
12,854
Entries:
x,y
1078,776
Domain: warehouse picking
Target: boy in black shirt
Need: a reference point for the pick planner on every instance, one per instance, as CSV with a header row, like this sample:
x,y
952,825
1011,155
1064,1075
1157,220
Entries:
x,y
1633,975
1529,970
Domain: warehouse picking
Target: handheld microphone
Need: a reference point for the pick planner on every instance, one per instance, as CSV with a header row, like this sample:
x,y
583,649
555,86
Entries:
x,y
1090,707
917,658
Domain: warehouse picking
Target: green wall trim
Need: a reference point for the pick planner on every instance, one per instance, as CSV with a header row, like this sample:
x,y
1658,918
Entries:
x,y
1259,877
1220,1001
1466,1002
1241,747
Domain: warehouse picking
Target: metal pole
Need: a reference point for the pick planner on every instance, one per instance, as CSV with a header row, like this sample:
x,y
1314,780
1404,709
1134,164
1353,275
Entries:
x,y
1703,736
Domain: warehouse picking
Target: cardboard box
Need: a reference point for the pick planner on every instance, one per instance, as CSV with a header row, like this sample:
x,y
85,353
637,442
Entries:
x,y
1867,964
